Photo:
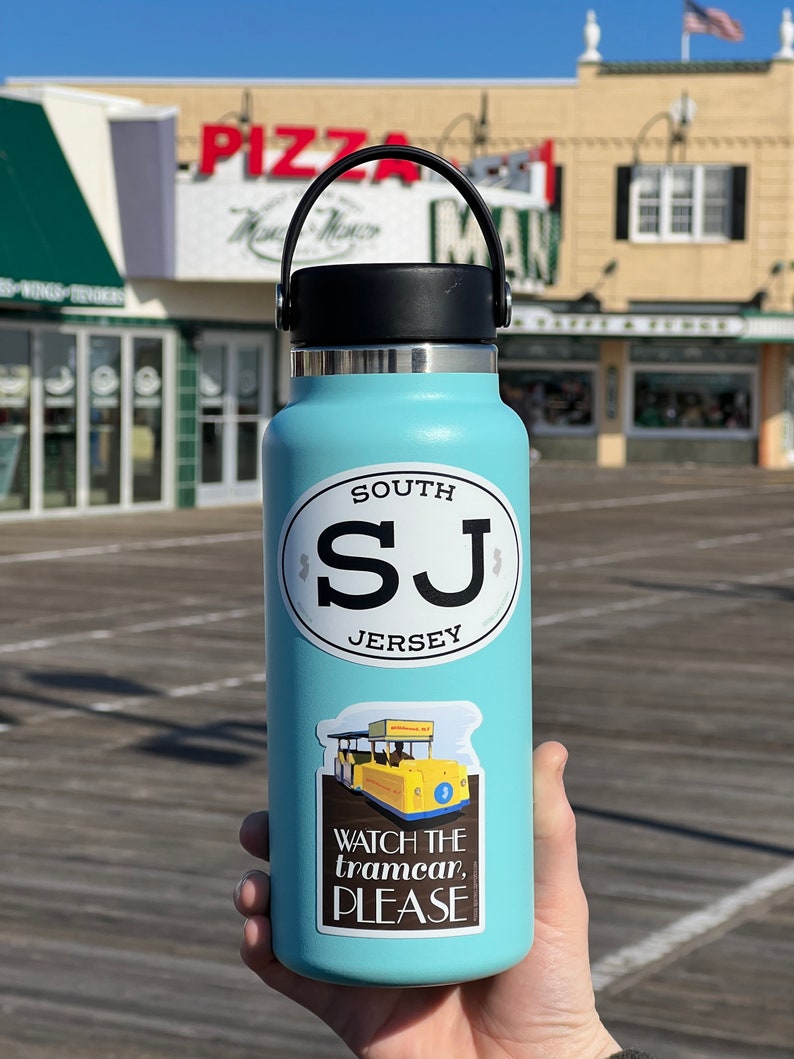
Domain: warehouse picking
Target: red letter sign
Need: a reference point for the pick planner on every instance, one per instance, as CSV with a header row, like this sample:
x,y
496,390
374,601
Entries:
x,y
354,138
408,172
218,141
256,150
301,136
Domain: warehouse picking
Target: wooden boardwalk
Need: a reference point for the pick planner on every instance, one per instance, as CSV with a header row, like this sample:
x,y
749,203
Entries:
x,y
132,740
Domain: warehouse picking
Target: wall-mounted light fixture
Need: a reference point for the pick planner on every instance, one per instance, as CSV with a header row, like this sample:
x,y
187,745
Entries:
x,y
760,296
679,117
609,269
589,302
244,116
479,128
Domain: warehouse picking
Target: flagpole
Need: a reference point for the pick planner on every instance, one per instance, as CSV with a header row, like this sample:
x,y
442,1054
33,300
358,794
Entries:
x,y
684,47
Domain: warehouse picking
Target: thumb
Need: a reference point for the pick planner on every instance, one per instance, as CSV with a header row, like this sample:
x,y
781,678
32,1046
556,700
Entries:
x,y
560,899
561,914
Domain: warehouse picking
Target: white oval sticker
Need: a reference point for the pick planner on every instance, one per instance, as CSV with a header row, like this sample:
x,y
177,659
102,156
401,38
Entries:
x,y
401,564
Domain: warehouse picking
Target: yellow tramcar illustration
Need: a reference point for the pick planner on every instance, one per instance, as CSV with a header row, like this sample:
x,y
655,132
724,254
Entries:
x,y
389,774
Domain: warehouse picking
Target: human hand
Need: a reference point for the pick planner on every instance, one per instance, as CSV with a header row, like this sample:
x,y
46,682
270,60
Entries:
x,y
543,1008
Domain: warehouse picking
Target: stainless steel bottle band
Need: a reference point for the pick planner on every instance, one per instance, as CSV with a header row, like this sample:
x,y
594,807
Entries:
x,y
409,359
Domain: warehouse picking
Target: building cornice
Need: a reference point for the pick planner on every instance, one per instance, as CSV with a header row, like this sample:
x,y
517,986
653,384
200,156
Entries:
x,y
739,66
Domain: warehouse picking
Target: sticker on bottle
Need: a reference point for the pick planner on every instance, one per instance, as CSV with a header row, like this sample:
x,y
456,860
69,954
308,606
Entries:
x,y
399,821
401,564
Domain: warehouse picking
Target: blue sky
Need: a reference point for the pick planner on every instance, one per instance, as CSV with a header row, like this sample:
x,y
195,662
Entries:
x,y
480,39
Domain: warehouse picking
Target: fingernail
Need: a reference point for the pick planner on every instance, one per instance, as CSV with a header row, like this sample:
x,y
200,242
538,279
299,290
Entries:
x,y
239,887
250,933
561,767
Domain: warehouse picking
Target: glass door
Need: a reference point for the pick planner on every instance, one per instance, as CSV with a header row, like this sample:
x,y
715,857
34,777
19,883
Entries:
x,y
15,378
86,419
147,420
248,396
104,415
213,414
235,384
59,421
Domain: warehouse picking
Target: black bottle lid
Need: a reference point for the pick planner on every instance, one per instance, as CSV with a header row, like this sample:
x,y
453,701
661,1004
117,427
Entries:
x,y
389,304
353,305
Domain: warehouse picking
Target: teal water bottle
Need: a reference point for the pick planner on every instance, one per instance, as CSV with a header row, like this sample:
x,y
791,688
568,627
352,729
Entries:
x,y
397,615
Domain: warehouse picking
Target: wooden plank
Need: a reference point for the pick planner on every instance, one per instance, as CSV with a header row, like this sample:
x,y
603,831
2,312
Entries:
x,y
133,706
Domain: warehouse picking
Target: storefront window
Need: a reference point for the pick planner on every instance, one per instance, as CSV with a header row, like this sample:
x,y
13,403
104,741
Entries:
x,y
212,384
82,418
552,400
703,401
248,411
14,420
59,376
694,353
104,373
788,410
147,420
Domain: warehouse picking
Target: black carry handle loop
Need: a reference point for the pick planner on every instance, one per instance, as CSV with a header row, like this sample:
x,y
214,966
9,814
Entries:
x,y
472,197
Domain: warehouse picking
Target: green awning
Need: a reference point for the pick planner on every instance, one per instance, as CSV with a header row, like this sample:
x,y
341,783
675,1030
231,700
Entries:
x,y
51,250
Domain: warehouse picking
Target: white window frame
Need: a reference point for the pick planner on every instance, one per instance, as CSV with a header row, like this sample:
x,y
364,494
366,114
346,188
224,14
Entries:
x,y
167,469
665,234
229,490
83,507
698,433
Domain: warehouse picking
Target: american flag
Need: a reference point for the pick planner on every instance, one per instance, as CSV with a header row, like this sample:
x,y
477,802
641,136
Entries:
x,y
711,20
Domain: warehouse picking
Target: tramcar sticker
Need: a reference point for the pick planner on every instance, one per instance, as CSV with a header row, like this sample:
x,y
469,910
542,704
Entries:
x,y
400,821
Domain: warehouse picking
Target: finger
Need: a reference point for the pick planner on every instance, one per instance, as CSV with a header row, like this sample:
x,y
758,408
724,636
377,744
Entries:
x,y
561,915
321,998
252,894
255,835
557,884
551,804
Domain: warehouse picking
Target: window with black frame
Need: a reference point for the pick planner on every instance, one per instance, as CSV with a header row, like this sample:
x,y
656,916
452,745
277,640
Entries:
x,y
694,203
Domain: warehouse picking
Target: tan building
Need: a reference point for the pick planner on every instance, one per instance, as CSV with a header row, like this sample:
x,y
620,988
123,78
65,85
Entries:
x,y
654,295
